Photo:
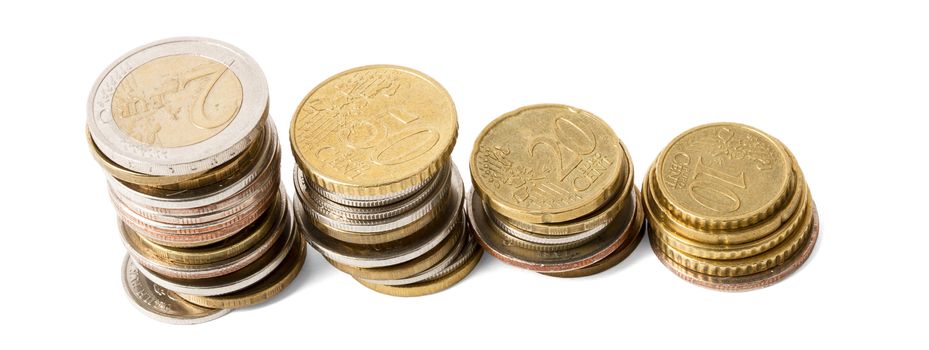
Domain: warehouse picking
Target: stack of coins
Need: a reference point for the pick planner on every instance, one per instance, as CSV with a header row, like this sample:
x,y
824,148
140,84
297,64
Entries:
x,y
729,209
554,192
181,127
379,196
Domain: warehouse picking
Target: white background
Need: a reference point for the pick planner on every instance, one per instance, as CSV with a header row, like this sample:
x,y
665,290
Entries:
x,y
845,84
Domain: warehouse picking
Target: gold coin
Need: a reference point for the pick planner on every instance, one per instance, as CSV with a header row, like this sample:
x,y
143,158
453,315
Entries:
x,y
739,267
601,217
261,291
148,104
668,230
723,176
406,269
374,131
745,236
748,282
429,287
547,163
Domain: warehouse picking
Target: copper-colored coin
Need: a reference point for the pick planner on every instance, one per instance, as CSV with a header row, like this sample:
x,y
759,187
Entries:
x,y
500,246
749,282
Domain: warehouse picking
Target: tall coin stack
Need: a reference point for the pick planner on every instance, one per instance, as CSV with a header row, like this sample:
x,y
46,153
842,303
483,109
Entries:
x,y
729,209
377,193
181,127
554,192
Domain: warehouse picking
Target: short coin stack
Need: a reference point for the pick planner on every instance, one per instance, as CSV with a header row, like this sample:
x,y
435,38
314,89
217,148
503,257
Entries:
x,y
377,193
729,209
554,192
181,127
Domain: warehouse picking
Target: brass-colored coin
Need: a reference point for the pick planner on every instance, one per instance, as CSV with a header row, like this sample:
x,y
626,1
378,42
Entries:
x,y
757,235
598,219
374,131
739,267
149,103
259,292
669,231
547,163
749,282
723,176
429,287
216,252
406,269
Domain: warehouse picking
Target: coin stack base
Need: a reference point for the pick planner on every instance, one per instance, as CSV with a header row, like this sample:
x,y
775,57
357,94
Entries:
x,y
729,208
193,165
554,192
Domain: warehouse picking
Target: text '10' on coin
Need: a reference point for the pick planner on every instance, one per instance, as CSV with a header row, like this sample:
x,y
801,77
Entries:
x,y
729,208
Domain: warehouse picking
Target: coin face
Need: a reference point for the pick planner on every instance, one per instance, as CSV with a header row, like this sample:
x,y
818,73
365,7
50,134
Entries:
x,y
176,100
163,304
177,106
374,130
723,175
547,163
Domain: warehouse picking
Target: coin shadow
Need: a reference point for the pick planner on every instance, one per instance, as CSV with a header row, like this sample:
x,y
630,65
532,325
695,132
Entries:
x,y
314,268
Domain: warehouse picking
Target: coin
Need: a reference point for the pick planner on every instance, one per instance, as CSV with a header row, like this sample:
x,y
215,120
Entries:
x,y
547,163
192,163
554,192
750,282
177,106
729,208
162,304
501,245
234,281
235,245
433,286
376,191
381,255
723,176
374,131
261,291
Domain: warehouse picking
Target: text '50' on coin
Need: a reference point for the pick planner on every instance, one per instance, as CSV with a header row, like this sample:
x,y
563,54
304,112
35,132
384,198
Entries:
x,y
374,131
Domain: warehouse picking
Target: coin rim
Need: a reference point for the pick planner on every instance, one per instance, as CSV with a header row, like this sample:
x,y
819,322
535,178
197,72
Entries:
x,y
128,152
376,188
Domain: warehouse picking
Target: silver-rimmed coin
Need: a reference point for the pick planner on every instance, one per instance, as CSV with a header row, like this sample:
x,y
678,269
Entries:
x,y
310,195
177,106
269,160
220,268
390,254
432,203
162,304
502,246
